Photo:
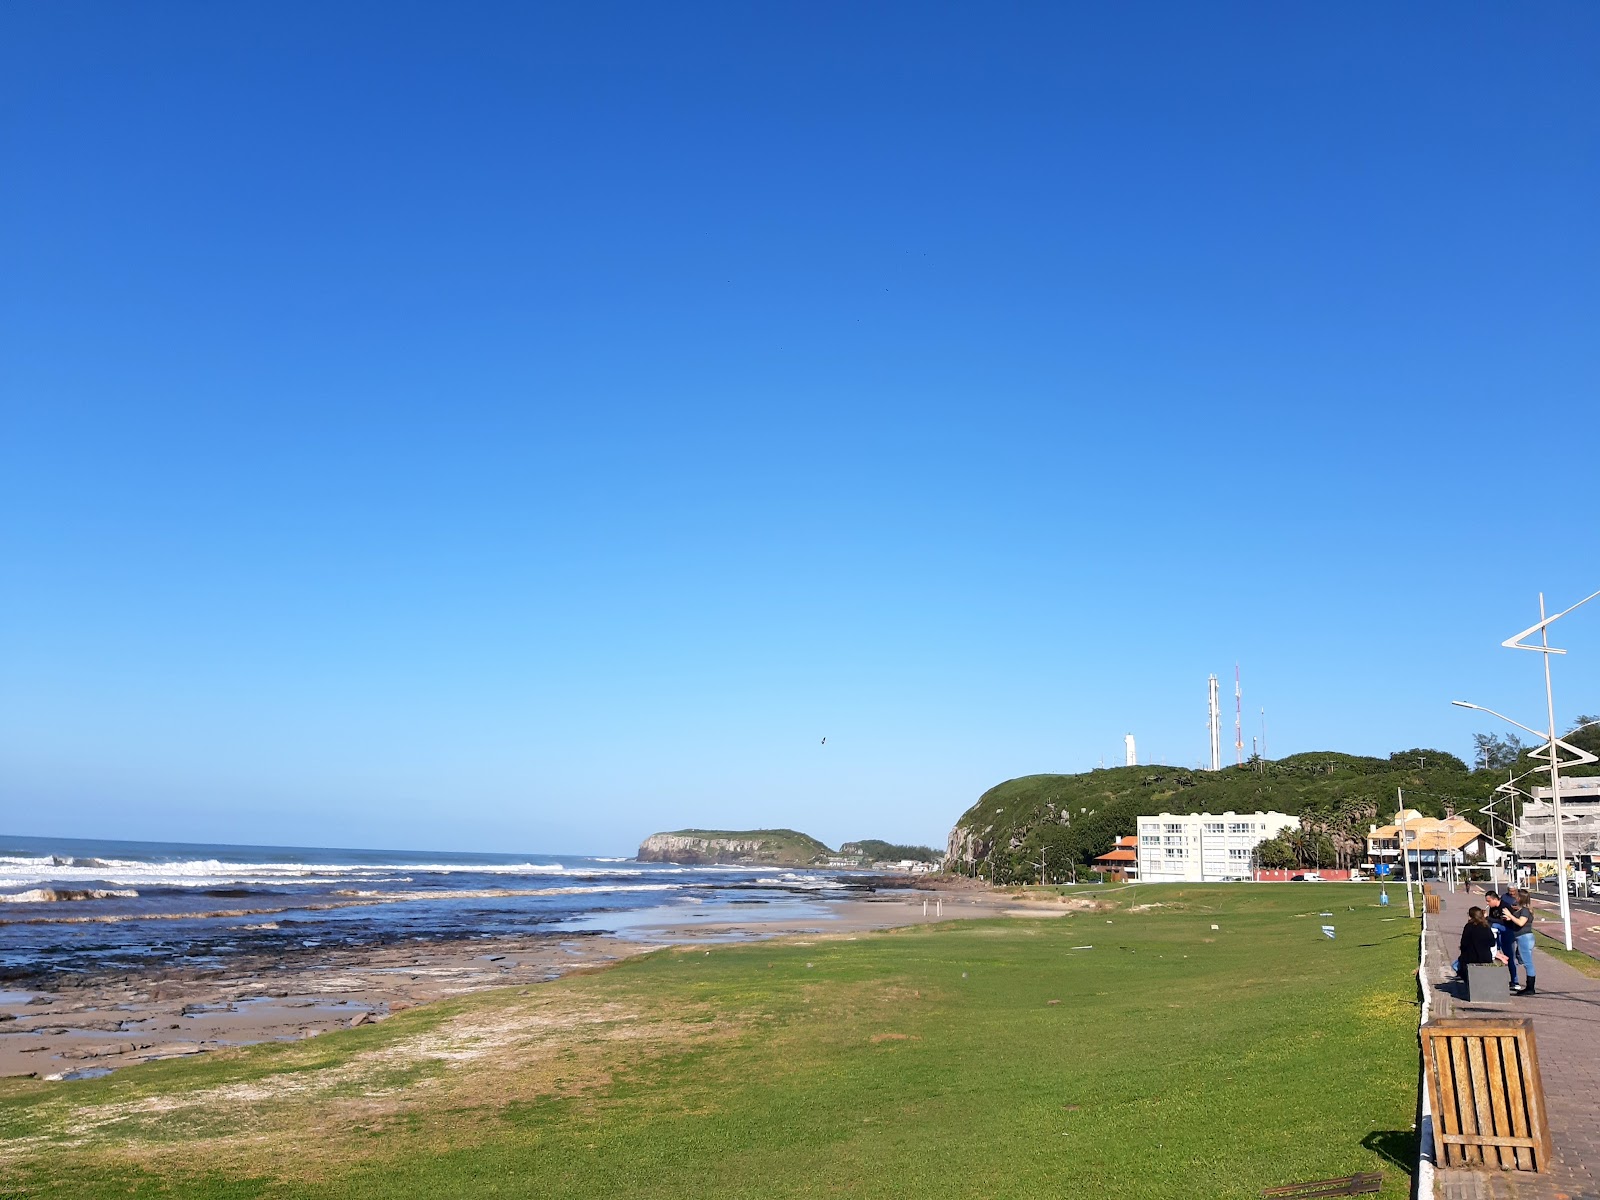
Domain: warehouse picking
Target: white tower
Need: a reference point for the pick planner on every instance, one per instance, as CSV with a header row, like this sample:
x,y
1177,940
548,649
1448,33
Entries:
x,y
1133,756
1216,728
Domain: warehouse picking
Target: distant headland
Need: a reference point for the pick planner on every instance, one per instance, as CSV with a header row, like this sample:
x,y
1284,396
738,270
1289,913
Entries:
x,y
775,848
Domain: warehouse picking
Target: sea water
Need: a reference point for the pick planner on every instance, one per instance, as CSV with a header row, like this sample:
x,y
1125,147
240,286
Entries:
x,y
79,905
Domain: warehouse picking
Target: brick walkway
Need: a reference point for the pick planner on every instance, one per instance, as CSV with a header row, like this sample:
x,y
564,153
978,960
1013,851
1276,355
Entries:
x,y
1566,1027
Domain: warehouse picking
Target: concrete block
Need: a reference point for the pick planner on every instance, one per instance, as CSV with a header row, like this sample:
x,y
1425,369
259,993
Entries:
x,y
1487,982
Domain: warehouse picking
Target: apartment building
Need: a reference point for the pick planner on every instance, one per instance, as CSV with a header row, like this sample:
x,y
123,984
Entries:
x,y
1535,837
1203,848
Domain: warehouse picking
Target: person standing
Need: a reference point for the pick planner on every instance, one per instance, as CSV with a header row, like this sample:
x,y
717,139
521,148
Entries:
x,y
1520,921
1496,919
1507,931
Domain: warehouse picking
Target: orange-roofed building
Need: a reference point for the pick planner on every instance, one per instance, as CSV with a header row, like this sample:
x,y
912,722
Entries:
x,y
1121,863
1432,845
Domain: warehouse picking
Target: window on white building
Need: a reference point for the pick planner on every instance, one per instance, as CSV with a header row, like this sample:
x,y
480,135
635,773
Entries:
x,y
1214,827
1240,827
1174,827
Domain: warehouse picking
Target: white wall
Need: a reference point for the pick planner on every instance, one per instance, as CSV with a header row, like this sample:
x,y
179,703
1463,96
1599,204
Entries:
x,y
1202,847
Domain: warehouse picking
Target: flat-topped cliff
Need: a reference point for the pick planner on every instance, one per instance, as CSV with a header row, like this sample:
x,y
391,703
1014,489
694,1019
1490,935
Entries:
x,y
762,847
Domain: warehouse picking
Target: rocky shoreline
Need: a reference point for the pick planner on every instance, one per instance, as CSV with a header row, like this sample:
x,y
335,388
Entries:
x,y
57,1024
70,1025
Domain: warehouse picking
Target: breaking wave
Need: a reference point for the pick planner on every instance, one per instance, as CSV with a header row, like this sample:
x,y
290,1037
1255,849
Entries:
x,y
212,872
53,895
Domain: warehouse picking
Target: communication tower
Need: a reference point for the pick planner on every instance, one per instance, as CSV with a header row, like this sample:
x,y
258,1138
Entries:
x,y
1238,717
1214,723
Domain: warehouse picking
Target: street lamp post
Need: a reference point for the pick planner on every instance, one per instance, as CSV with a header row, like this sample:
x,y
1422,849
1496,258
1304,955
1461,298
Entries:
x,y
1510,791
1553,747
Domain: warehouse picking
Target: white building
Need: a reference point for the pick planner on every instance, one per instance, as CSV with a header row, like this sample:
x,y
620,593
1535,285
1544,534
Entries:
x,y
1201,848
1535,837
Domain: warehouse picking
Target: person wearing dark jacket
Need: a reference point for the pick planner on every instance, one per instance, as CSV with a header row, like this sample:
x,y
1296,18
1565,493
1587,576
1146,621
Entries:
x,y
1478,941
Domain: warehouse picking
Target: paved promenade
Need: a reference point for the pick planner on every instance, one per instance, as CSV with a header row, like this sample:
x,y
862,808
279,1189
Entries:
x,y
1566,1027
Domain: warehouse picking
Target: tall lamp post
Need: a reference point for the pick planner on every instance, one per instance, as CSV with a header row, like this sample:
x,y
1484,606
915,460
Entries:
x,y
1555,745
1551,749
1511,791
1507,791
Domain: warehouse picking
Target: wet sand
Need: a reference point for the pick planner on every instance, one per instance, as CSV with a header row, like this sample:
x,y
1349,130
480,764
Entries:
x,y
85,1025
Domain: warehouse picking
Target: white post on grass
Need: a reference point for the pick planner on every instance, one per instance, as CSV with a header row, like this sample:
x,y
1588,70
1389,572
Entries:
x,y
1405,859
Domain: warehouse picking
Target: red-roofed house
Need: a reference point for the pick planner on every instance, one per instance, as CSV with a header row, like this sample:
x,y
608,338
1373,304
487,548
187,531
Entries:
x,y
1122,862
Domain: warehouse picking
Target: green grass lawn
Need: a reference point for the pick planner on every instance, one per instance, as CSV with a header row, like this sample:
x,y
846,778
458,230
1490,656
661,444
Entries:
x,y
1176,1061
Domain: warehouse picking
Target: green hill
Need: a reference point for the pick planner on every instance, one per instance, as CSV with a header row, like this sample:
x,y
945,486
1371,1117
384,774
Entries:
x,y
768,847
873,850
1073,818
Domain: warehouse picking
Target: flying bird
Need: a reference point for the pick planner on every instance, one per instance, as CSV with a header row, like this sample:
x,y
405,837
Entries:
x,y
824,741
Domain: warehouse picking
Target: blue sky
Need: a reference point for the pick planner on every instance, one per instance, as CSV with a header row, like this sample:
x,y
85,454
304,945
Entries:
x,y
529,428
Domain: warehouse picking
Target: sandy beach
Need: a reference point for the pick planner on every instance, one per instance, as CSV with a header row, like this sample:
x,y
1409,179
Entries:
x,y
84,1025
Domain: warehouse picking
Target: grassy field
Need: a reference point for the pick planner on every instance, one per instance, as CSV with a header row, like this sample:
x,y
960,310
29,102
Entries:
x,y
975,1058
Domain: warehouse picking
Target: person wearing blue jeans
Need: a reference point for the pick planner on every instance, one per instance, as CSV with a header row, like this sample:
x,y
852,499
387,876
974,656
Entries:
x,y
1506,932
1519,921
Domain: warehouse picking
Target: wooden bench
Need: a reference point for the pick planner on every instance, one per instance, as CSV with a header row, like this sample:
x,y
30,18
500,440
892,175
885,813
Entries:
x,y
1486,1094
1363,1184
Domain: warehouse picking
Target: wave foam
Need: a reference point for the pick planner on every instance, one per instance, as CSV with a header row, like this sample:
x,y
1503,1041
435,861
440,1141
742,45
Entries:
x,y
212,872
59,895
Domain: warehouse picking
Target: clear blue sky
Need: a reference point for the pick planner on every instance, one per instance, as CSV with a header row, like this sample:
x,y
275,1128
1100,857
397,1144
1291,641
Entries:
x,y
528,427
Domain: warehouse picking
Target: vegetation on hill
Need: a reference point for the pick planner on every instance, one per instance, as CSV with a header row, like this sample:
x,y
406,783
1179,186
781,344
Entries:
x,y
873,850
1584,734
1507,754
770,847
774,847
1069,819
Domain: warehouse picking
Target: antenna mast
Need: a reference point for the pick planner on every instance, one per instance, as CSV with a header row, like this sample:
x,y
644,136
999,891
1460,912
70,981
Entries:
x,y
1214,723
1238,717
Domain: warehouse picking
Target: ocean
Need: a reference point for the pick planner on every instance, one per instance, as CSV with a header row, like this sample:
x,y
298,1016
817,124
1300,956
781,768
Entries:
x,y
77,905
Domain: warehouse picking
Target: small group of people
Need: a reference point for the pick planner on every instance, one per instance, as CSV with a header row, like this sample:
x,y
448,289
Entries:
x,y
1502,932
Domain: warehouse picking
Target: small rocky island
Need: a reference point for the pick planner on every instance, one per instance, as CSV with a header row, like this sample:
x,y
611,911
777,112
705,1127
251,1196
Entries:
x,y
774,848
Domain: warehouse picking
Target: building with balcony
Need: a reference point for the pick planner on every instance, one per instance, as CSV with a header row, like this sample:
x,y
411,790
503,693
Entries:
x,y
1121,863
1202,848
1433,846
